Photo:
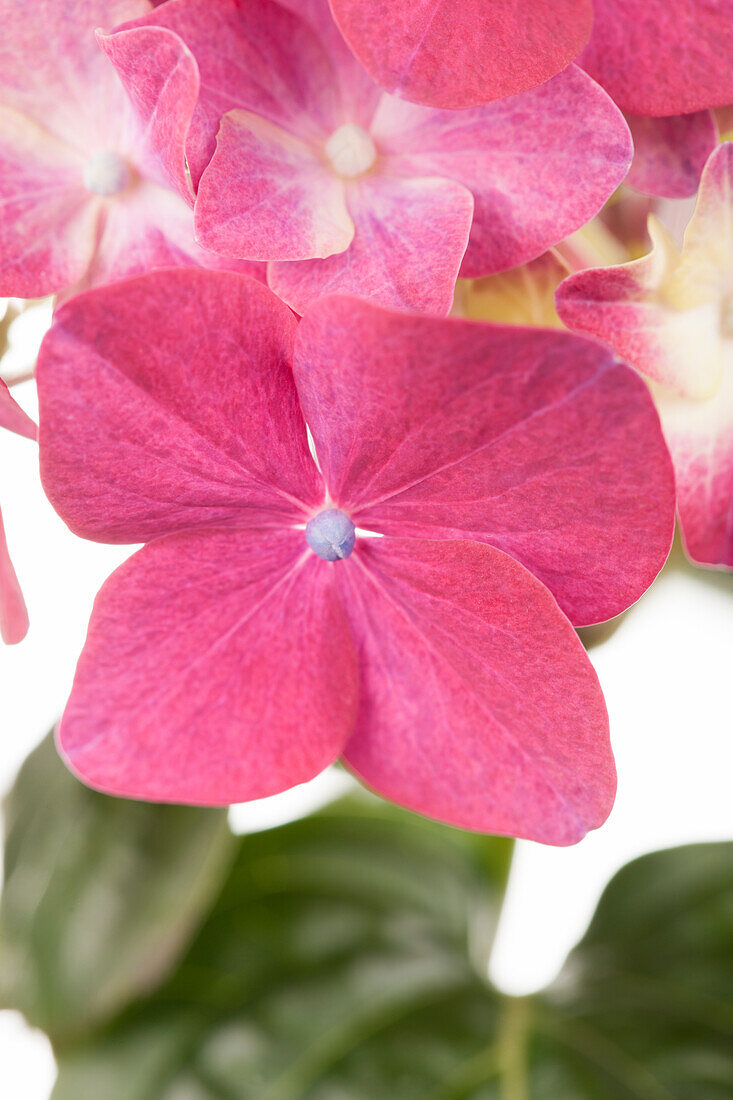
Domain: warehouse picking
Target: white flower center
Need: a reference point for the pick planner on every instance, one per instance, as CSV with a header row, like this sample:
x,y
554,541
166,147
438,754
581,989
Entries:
x,y
107,174
351,151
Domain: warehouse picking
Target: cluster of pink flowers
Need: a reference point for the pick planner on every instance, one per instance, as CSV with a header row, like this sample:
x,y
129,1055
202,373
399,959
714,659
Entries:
x,y
370,528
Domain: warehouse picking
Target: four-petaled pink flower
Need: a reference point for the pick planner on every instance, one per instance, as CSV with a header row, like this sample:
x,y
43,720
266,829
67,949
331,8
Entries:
x,y
298,158
13,613
83,196
670,314
258,636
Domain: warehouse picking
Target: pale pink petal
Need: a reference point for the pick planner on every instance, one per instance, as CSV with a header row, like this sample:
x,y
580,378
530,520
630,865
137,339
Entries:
x,y
218,667
479,706
358,92
670,153
667,313
700,437
52,70
538,165
48,220
167,402
449,54
534,441
12,416
628,309
162,79
407,249
13,612
256,56
663,57
152,227
267,195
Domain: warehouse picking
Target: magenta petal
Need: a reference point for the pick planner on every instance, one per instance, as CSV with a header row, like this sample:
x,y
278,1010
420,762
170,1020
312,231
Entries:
x,y
410,237
670,153
266,195
663,57
162,80
167,402
538,442
256,56
538,165
463,54
218,667
12,416
479,706
13,612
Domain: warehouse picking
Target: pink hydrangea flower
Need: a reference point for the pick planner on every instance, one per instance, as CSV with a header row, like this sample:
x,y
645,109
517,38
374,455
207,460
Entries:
x,y
13,612
257,637
298,158
670,314
83,196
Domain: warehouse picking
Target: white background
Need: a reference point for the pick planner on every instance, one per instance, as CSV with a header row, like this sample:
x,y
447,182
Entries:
x,y
666,674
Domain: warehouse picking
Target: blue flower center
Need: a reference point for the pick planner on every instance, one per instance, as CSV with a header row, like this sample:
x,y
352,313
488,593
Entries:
x,y
331,535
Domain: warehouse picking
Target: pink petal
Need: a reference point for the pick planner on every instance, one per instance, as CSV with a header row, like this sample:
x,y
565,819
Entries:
x,y
538,165
622,306
407,249
167,402
358,92
49,62
267,195
479,706
12,416
534,441
13,613
218,668
700,437
162,79
465,54
670,153
663,57
256,56
48,220
149,228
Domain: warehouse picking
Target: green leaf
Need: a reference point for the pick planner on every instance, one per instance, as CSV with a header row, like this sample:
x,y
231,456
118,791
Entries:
x,y
345,959
100,895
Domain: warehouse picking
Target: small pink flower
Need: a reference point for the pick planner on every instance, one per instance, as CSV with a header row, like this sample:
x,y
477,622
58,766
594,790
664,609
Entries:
x,y
13,612
299,159
258,636
83,197
670,314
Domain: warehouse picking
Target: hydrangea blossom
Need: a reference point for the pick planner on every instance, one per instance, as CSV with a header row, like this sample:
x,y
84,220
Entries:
x,y
84,197
259,634
299,159
13,613
670,314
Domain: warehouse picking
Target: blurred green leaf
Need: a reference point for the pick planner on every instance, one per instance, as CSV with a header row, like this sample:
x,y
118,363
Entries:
x,y
345,960
343,957
100,895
